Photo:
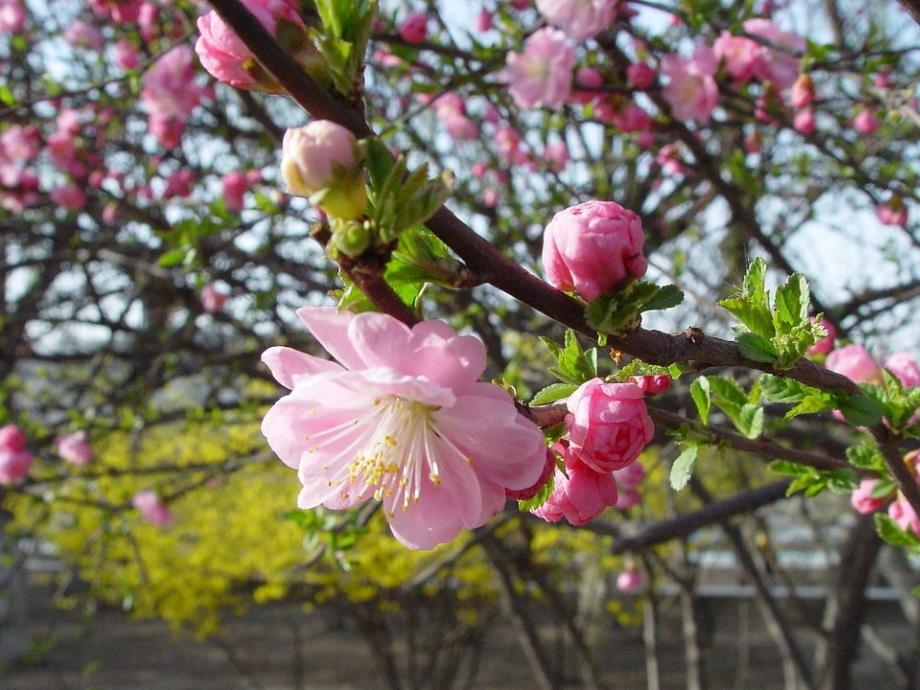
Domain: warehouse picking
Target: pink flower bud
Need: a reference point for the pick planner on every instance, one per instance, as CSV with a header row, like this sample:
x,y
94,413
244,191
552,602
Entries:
x,y
69,197
629,581
593,248
557,155
531,491
235,185
804,122
608,424
12,16
590,78
12,438
213,298
579,497
893,212
641,75
630,477
414,28
903,513
324,156
882,80
826,344
653,384
626,498
904,366
74,449
865,122
753,143
14,465
484,21
152,508
853,362
579,19
862,499
126,55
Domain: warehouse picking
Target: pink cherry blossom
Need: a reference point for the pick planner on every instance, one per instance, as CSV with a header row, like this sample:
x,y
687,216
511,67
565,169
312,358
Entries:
x,y
542,74
74,448
213,298
227,58
125,11
169,87
804,122
632,118
826,344
865,122
579,19
179,184
629,581
691,91
641,75
69,196
854,362
630,477
593,248
15,458
235,185
152,509
608,424
126,55
741,56
20,143
903,513
83,35
508,143
414,28
579,497
587,78
904,366
780,67
400,417
12,16
451,111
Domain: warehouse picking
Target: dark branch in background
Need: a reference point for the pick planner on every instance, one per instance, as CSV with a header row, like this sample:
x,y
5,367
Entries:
x,y
492,266
912,7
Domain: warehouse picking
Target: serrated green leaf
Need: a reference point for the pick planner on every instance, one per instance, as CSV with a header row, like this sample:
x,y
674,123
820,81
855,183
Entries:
x,y
666,297
890,533
541,496
756,348
552,393
861,410
699,392
790,305
682,469
790,469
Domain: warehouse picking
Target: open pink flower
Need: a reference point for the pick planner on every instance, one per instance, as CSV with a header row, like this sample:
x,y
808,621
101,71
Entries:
x,y
579,19
608,424
593,248
629,581
401,418
542,74
12,16
691,91
641,75
74,448
152,509
579,497
740,55
169,88
779,66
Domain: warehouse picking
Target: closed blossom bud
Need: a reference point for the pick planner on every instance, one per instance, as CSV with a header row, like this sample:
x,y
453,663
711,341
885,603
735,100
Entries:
x,y
904,366
593,248
15,459
862,500
12,438
74,449
152,508
213,298
608,424
350,237
826,344
803,91
652,384
629,581
414,28
853,362
865,122
579,497
323,157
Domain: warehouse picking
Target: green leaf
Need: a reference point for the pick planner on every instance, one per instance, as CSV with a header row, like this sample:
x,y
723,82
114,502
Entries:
x,y
682,469
790,469
699,391
791,304
541,496
866,456
861,410
666,297
639,368
620,312
173,257
552,393
756,347
890,533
